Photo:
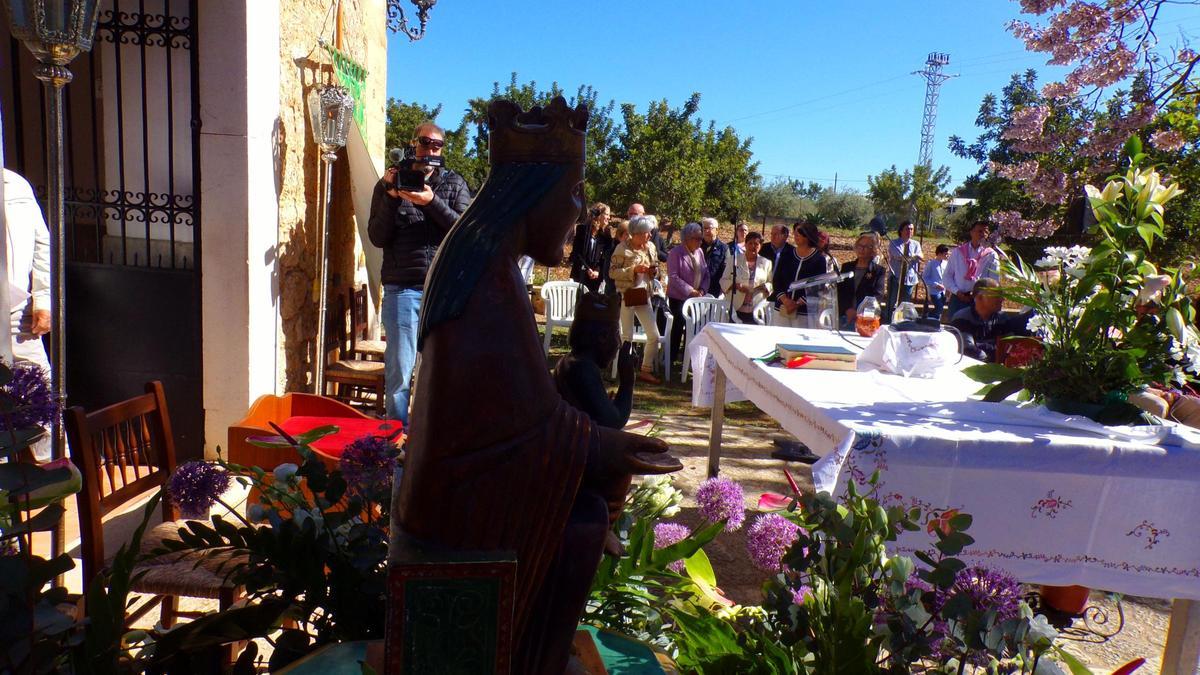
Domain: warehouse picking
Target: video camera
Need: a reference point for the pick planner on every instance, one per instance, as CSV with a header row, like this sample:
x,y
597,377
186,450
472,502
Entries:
x,y
409,174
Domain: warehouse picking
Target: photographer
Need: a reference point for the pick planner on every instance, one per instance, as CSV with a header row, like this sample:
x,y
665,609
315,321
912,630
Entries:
x,y
409,225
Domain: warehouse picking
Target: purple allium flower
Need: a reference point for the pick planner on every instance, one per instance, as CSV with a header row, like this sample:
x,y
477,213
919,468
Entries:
x,y
987,589
30,387
799,595
368,465
722,499
196,486
768,538
666,534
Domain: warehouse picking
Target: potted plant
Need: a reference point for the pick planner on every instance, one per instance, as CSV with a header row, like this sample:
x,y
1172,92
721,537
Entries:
x,y
1111,323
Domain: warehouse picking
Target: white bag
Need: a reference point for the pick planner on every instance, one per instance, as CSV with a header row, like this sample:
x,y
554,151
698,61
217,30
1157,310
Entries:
x,y
910,353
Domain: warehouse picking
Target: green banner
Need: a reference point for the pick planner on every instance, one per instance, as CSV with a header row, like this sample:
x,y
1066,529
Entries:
x,y
353,77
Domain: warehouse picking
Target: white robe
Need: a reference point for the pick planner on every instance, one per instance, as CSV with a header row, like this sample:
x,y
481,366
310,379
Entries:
x,y
28,261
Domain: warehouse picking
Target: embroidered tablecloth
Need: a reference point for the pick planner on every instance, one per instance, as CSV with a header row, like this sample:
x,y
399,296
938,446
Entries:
x,y
1055,499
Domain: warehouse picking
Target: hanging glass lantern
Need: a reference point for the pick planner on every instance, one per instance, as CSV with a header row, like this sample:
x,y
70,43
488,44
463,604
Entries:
x,y
55,31
332,109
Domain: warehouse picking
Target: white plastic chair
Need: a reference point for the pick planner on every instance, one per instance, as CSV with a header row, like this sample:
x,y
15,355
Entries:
x,y
825,319
762,312
664,346
696,313
560,306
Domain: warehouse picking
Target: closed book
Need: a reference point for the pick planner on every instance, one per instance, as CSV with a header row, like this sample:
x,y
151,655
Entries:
x,y
826,364
822,352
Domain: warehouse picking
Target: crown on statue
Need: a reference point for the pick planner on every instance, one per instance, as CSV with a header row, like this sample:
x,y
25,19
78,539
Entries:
x,y
552,134
592,306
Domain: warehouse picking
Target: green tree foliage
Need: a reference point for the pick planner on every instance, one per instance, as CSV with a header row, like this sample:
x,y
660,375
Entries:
x,y
403,119
888,192
668,161
729,190
667,158
928,192
846,209
601,132
913,195
658,160
782,198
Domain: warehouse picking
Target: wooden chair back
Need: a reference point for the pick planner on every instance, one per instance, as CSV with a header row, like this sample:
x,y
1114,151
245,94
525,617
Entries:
x,y
356,322
122,451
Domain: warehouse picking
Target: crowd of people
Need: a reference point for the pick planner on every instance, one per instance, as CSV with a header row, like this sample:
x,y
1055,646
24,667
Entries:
x,y
655,267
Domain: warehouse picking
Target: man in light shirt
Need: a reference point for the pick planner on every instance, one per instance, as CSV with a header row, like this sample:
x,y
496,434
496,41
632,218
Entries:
x,y
903,251
970,261
934,277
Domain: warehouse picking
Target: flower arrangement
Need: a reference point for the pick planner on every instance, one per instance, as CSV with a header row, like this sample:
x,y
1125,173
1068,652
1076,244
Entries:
x,y
315,547
1110,322
837,601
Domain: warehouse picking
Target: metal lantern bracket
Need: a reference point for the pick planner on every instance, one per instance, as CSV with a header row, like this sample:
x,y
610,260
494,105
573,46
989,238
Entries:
x,y
398,22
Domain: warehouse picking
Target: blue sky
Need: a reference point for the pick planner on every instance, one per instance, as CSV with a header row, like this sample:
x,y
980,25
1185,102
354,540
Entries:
x,y
823,88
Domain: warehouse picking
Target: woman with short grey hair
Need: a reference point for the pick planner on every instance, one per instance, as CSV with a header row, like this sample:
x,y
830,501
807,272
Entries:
x,y
634,265
687,277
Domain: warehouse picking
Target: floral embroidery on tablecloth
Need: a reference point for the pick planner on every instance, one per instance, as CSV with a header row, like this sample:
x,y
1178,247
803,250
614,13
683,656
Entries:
x,y
867,447
1064,559
1150,532
1049,506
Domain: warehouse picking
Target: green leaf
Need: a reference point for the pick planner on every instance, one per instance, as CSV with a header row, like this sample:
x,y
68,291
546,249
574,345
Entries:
x,y
699,568
1004,389
952,544
18,478
1073,664
42,521
683,549
314,435
1133,147
991,372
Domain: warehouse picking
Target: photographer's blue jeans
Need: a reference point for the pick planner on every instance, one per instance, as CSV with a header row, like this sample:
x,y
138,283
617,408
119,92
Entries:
x,y
401,316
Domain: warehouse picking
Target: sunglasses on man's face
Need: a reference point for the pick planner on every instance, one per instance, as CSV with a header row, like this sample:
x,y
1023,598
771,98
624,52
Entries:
x,y
427,142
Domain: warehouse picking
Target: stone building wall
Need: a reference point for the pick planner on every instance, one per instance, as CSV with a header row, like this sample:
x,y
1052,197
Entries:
x,y
304,64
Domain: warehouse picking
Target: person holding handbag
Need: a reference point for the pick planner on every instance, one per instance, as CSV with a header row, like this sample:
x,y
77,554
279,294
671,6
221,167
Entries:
x,y
634,265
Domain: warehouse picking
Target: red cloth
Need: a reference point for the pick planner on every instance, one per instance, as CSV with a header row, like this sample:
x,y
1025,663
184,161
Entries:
x,y
349,430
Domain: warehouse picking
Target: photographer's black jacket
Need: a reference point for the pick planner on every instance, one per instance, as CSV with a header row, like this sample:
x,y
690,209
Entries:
x,y
409,234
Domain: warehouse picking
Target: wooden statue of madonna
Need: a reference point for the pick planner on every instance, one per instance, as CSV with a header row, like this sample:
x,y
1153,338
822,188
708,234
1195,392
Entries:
x,y
496,460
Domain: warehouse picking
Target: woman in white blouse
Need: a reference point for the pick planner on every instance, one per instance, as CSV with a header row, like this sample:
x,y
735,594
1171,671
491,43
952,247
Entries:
x,y
751,273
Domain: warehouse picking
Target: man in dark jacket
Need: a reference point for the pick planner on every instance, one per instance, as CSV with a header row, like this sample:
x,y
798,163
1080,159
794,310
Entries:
x,y
715,252
983,324
589,249
781,254
409,227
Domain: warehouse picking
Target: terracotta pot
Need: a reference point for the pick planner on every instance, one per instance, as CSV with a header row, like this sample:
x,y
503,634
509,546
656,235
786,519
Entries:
x,y
1068,599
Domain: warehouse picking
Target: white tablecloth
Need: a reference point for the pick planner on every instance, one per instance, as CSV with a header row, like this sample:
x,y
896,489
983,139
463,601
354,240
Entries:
x,y
1055,499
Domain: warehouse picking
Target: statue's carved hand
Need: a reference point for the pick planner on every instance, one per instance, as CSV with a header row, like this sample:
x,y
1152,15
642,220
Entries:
x,y
647,455
626,365
621,454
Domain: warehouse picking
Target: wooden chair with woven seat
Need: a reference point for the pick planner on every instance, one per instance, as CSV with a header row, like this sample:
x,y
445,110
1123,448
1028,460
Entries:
x,y
352,380
123,451
360,345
